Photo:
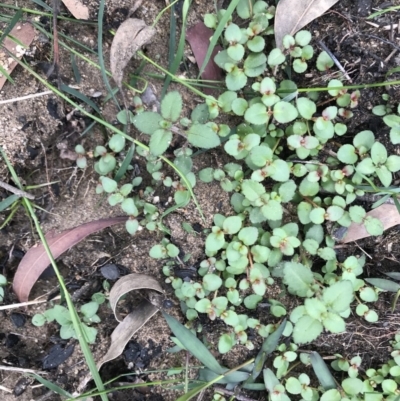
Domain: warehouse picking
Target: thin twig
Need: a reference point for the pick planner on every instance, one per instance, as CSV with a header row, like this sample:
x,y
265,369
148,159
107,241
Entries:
x,y
7,390
335,60
21,370
238,397
27,97
16,191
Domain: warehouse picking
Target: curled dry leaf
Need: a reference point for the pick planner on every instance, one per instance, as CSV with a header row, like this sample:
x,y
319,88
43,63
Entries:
x,y
77,9
198,37
301,13
136,319
25,33
129,38
386,213
36,259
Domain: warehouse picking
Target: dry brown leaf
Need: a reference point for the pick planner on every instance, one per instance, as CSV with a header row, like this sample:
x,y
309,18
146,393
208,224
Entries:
x,y
77,9
386,213
136,319
25,33
198,37
129,38
292,15
36,260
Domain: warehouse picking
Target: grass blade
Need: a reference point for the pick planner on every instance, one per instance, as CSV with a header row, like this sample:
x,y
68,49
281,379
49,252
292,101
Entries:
x,y
125,164
13,22
75,69
43,4
4,204
383,284
174,65
193,344
393,275
100,52
267,348
322,372
51,386
80,96
217,33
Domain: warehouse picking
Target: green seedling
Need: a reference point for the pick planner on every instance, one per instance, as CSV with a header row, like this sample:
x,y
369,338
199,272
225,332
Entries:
x,y
62,316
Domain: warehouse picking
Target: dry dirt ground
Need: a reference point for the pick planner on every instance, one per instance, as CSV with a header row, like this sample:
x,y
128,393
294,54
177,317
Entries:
x,y
30,132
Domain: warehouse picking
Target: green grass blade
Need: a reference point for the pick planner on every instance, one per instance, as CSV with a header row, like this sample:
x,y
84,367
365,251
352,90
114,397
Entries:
x,y
11,25
218,32
6,74
43,4
100,51
80,96
75,69
174,62
51,386
269,346
193,344
322,371
4,204
171,49
383,284
125,164
396,202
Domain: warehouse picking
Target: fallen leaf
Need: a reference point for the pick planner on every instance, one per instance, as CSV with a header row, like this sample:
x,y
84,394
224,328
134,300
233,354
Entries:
x,y
198,37
77,9
25,33
292,15
136,319
36,259
386,213
129,38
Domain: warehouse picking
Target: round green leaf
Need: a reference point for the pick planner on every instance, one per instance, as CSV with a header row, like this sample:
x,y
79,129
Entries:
x,y
211,282
232,225
225,343
109,185
347,154
132,226
306,107
293,386
303,38
203,136
257,114
352,385
275,57
284,112
248,235
116,143
171,106
256,44
306,330
160,141
129,207
393,163
39,319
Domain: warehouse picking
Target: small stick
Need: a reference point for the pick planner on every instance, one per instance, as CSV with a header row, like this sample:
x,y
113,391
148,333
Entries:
x,y
16,191
18,99
335,60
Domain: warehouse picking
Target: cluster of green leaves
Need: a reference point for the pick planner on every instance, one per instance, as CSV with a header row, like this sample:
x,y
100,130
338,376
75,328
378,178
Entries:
x,y
62,316
161,128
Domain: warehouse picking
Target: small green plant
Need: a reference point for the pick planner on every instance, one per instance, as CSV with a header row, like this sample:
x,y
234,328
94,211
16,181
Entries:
x,y
62,316
3,283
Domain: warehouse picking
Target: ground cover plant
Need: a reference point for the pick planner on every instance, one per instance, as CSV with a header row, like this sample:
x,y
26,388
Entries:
x,y
295,178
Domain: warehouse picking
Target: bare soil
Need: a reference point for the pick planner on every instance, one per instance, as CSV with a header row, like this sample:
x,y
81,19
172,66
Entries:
x,y
31,132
